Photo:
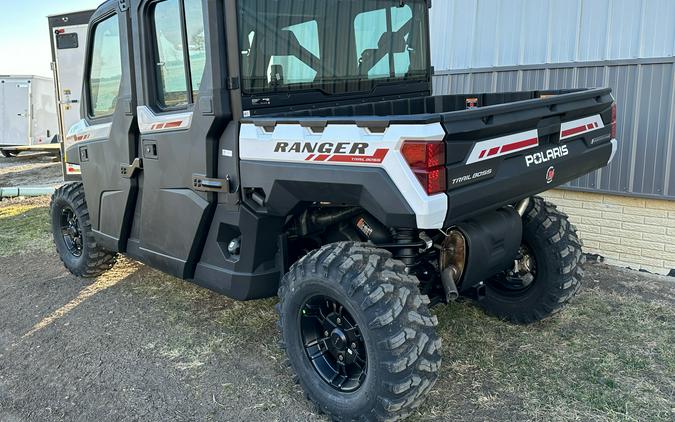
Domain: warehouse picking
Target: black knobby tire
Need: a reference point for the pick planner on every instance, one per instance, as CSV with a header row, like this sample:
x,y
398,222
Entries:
x,y
402,347
8,154
558,256
83,258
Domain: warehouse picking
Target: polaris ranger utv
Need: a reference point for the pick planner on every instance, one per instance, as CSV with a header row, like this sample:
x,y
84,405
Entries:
x,y
293,147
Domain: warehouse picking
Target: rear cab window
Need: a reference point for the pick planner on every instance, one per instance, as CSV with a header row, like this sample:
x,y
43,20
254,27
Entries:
x,y
105,71
331,46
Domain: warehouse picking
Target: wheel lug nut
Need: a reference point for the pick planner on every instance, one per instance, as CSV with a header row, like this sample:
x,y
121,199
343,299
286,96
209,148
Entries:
x,y
339,321
341,358
353,345
326,333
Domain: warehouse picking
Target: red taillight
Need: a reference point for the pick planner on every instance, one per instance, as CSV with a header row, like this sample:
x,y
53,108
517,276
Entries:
x,y
614,121
427,161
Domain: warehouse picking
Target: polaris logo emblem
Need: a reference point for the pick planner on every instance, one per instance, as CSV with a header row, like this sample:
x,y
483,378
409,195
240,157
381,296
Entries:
x,y
546,156
550,175
322,148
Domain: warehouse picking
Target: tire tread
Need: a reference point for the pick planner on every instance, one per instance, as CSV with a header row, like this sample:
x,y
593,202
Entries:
x,y
402,326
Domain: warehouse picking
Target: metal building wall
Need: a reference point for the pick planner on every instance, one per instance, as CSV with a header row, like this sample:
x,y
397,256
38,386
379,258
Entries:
x,y
628,45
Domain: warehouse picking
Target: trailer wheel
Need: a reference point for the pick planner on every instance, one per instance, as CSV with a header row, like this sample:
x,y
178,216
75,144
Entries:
x,y
8,154
548,270
358,333
73,236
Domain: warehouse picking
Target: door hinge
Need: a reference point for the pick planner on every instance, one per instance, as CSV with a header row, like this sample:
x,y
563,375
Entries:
x,y
205,184
129,170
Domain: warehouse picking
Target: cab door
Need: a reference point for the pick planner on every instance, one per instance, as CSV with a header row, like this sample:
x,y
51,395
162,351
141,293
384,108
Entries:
x,y
107,135
180,120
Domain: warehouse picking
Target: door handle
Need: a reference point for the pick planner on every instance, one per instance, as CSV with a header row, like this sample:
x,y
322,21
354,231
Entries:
x,y
205,184
150,150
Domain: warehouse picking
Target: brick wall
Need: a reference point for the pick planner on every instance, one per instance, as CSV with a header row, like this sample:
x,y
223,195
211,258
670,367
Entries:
x,y
628,232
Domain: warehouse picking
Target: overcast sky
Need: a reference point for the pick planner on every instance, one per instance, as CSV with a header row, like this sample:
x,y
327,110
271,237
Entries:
x,y
24,33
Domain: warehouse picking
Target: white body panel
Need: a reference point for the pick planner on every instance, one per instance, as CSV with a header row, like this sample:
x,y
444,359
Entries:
x,y
149,122
384,151
27,111
81,131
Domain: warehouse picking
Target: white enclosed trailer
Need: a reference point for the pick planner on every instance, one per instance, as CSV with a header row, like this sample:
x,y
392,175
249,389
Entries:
x,y
27,114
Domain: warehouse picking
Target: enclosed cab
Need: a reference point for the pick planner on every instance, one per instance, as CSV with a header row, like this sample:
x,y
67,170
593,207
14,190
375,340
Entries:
x,y
294,148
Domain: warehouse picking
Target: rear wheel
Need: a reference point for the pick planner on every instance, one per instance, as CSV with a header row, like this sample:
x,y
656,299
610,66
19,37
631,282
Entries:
x,y
73,236
358,333
547,272
8,154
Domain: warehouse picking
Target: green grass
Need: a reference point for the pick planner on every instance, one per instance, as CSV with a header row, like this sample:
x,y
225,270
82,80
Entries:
x,y
24,226
606,357
609,356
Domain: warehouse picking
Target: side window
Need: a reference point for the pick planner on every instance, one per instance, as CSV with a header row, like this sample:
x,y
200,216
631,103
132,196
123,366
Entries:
x,y
194,25
105,73
178,40
382,38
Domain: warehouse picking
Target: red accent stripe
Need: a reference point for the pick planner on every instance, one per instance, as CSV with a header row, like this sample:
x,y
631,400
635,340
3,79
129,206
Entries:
x,y
574,131
520,145
172,124
376,158
322,157
493,151
482,154
309,158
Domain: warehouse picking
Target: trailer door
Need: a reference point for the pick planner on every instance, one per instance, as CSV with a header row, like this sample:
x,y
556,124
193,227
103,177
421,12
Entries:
x,y
16,116
70,48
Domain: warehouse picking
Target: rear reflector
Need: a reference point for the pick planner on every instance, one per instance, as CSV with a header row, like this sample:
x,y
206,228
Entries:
x,y
427,161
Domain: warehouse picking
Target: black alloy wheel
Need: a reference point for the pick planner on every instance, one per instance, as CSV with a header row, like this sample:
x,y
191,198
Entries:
x,y
71,231
333,343
547,271
73,236
524,273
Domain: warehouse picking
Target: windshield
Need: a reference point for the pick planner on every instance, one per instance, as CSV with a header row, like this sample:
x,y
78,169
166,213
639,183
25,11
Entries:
x,y
335,46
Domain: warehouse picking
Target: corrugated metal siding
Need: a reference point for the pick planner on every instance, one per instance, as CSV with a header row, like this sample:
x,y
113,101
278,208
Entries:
x,y
522,32
628,45
645,95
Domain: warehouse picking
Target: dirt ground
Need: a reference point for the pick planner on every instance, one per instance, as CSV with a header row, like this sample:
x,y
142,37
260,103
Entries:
x,y
139,345
30,169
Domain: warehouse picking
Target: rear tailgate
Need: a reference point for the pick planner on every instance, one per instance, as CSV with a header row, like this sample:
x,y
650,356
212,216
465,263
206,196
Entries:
x,y
500,154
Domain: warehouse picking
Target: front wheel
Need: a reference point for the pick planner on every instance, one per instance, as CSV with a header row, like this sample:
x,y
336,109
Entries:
x,y
547,272
358,333
73,236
